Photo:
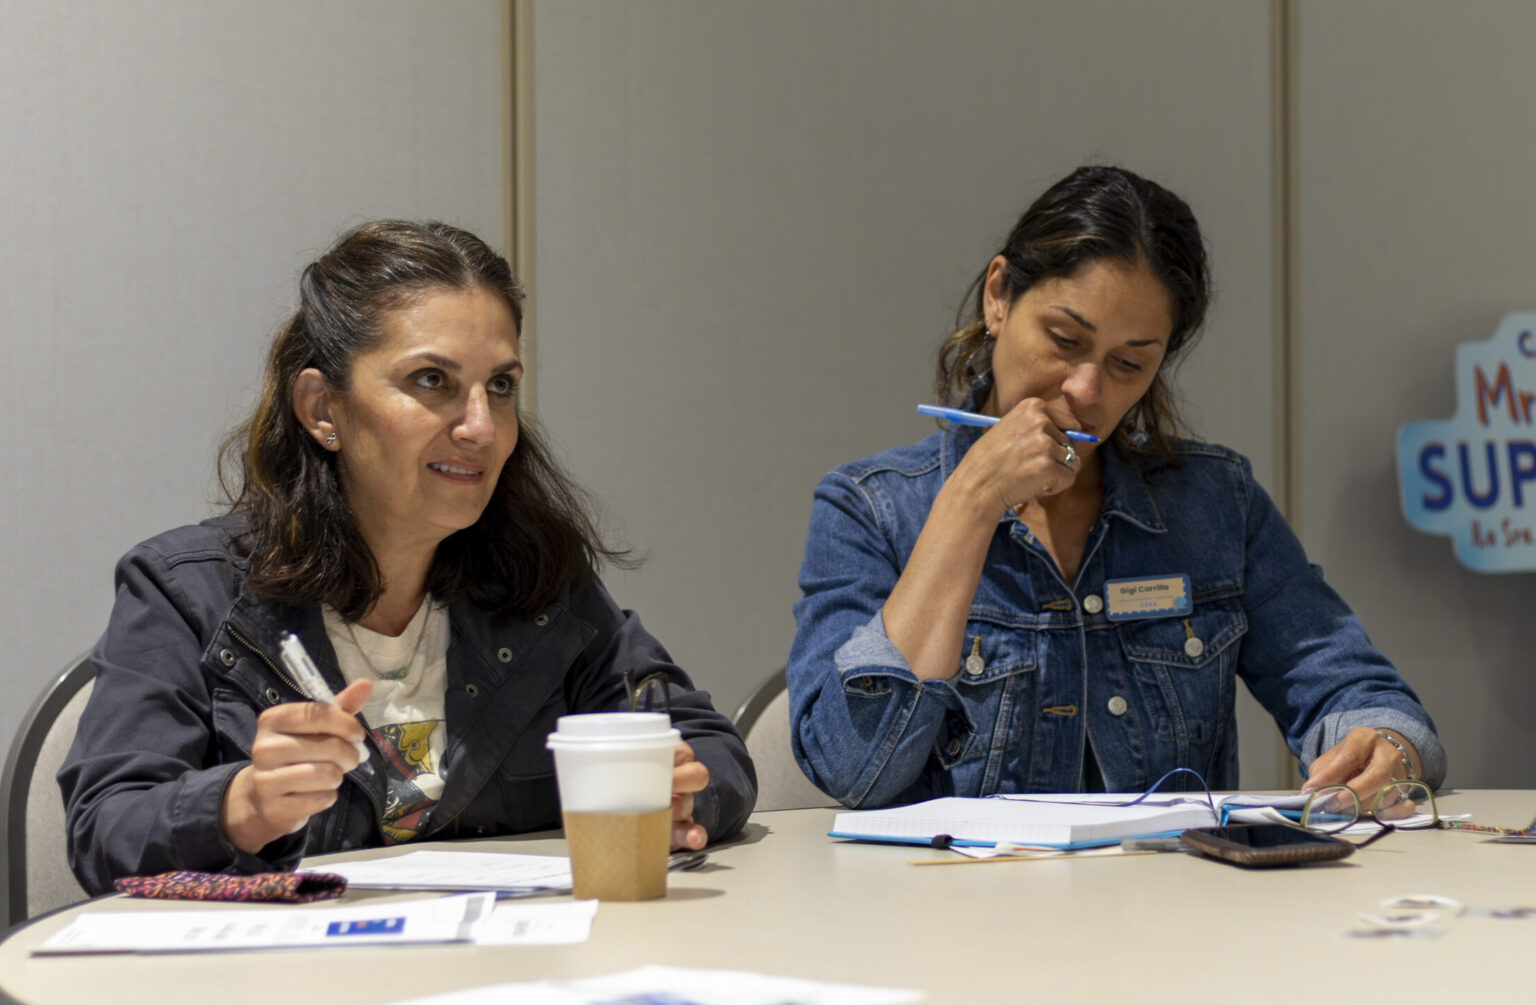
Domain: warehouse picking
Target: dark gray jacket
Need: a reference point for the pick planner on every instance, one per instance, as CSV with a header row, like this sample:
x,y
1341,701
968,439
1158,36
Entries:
x,y
189,659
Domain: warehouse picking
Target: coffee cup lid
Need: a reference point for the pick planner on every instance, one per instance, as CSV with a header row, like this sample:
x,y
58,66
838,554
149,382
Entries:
x,y
614,727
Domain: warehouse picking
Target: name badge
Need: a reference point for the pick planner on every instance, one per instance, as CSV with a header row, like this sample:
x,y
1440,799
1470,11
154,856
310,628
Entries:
x,y
1155,597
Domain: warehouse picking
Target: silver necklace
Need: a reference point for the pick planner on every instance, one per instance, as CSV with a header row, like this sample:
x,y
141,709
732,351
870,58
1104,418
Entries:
x,y
401,672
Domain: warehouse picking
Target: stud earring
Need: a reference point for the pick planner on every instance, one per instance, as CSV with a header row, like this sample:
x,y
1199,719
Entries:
x,y
330,439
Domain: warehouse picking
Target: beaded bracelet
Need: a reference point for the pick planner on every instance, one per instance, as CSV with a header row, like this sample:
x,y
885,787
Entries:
x,y
1402,752
1462,825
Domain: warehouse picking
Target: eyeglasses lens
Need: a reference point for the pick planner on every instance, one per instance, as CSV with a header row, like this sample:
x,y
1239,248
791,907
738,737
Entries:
x,y
1331,808
1407,805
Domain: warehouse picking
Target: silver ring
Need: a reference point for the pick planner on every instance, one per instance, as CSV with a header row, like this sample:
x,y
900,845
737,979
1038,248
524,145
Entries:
x,y
1071,455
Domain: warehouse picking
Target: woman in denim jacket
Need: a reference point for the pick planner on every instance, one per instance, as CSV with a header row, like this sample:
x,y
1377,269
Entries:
x,y
975,616
399,516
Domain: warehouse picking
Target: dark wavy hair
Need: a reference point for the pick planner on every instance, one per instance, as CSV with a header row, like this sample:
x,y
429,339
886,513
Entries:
x,y
301,540
1091,215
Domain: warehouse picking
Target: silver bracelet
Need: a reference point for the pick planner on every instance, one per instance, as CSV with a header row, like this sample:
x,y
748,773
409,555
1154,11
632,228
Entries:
x,y
1402,752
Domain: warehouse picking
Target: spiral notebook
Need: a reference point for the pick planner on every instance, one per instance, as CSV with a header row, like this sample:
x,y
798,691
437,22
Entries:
x,y
1045,822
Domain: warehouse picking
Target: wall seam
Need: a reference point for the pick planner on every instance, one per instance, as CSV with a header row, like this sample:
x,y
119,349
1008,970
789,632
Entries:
x,y
1287,297
1287,350
517,195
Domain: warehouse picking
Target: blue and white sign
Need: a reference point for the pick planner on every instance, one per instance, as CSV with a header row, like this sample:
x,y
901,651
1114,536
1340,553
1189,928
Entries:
x,y
1473,477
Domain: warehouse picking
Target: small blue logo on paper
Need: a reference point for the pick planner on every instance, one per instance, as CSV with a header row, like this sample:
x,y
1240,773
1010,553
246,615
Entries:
x,y
1472,477
367,926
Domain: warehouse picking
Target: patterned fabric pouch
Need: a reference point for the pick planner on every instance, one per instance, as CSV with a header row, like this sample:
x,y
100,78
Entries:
x,y
280,887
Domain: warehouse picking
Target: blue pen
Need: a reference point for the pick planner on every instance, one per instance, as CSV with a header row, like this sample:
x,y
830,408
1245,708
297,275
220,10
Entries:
x,y
972,419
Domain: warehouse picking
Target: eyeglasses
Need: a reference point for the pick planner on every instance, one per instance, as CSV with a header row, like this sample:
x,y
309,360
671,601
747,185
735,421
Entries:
x,y
1398,806
640,691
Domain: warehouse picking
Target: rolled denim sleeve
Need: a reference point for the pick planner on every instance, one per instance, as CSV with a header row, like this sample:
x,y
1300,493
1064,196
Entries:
x,y
863,727
1306,656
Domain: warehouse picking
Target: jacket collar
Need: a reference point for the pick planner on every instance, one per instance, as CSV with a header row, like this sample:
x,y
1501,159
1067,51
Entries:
x,y
1127,494
262,623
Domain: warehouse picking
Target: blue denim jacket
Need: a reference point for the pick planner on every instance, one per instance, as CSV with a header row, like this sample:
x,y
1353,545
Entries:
x,y
1053,666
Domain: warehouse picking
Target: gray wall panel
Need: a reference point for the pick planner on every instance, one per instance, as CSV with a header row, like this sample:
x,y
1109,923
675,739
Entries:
x,y
1417,231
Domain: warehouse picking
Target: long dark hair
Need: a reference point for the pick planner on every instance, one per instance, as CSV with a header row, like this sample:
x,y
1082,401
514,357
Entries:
x,y
1093,214
301,540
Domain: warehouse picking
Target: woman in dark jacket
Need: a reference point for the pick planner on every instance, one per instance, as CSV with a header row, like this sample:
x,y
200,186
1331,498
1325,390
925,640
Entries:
x,y
397,514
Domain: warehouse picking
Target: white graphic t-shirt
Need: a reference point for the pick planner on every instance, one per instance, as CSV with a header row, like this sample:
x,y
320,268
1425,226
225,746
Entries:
x,y
405,712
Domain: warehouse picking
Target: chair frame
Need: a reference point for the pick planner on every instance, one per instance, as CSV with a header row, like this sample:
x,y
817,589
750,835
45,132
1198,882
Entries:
x,y
752,707
20,763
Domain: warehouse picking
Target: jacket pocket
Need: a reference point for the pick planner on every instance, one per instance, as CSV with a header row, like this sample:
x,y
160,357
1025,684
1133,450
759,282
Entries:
x,y
997,661
993,649
1185,667
529,803
234,726
529,756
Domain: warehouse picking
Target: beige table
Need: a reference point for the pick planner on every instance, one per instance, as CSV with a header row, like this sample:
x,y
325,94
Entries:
x,y
786,899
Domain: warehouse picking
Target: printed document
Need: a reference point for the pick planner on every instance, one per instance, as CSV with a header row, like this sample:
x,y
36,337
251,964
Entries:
x,y
264,926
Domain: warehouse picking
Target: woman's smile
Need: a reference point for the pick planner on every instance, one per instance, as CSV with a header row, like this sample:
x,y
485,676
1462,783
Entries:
x,y
459,471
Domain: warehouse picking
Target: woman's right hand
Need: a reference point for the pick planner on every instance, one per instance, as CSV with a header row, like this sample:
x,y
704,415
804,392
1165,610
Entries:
x,y
301,752
1019,459
1014,462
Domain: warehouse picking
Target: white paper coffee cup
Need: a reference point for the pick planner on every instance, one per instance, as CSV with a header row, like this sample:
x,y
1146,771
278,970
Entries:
x,y
614,770
614,762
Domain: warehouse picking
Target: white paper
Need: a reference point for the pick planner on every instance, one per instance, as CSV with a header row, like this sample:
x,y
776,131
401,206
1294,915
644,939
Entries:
x,y
696,987
457,870
1242,808
1270,815
513,923
264,926
1052,822
1232,800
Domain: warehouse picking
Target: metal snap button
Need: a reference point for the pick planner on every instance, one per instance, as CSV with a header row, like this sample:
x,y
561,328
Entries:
x,y
504,654
1193,647
541,620
1093,603
974,664
472,690
226,657
1117,705
272,696
954,748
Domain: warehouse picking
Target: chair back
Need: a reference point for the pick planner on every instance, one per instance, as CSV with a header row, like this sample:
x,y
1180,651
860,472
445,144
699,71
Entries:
x,y
36,877
763,721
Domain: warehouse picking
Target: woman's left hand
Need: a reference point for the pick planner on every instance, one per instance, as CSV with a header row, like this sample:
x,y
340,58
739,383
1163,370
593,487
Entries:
x,y
1364,760
688,777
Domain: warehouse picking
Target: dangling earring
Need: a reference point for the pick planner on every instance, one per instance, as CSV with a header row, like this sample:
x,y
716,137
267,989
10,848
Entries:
x,y
978,378
1136,430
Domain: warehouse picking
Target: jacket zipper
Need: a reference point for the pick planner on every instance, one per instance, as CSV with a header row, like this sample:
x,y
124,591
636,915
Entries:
x,y
270,665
